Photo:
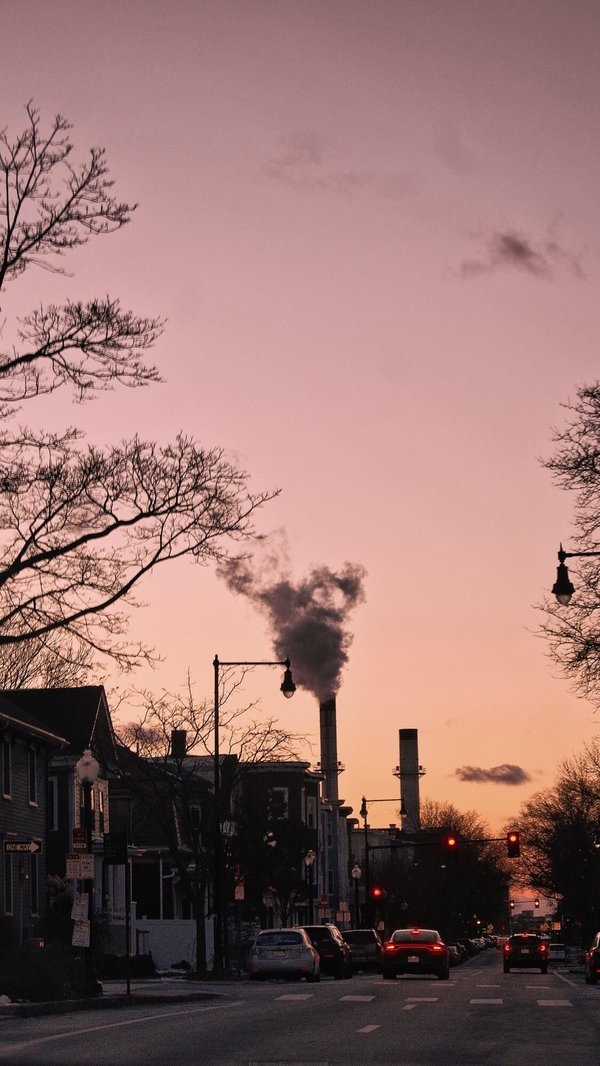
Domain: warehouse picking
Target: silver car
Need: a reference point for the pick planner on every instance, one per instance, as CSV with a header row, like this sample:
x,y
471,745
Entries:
x,y
284,953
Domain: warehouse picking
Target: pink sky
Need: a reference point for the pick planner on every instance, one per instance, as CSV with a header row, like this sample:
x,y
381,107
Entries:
x,y
374,230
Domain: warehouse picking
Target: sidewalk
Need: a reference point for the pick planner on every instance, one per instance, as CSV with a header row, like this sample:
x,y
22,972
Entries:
x,y
150,990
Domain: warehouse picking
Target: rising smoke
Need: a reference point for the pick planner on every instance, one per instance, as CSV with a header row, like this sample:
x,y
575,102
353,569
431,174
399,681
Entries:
x,y
308,619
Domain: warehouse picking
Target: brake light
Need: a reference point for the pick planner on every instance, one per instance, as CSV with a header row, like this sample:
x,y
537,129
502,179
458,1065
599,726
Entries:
x,y
506,949
543,948
437,947
389,948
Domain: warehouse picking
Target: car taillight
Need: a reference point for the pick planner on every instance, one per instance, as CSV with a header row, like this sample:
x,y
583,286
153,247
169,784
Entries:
x,y
437,947
543,948
506,949
390,948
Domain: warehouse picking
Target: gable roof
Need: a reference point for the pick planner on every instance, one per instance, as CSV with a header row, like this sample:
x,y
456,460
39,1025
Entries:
x,y
22,721
80,715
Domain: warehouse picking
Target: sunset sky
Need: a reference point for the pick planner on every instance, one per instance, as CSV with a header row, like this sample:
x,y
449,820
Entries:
x,y
374,230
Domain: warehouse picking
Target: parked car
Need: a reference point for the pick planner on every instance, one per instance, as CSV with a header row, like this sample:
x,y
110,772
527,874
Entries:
x,y
366,947
456,954
591,961
525,949
334,953
557,952
415,951
284,953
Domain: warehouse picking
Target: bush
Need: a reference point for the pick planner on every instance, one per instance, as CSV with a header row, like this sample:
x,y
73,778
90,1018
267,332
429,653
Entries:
x,y
43,974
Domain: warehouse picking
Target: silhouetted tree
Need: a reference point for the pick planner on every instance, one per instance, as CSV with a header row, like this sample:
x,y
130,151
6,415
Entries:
x,y
573,632
80,525
560,831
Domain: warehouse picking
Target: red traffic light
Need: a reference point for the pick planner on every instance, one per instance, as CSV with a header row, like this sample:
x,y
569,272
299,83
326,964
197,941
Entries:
x,y
378,893
513,844
451,842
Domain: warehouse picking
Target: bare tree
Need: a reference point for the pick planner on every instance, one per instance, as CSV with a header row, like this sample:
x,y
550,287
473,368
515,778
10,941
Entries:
x,y
560,834
573,632
81,526
52,662
173,788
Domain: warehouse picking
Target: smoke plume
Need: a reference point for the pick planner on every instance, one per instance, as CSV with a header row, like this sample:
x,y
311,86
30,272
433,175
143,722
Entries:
x,y
308,620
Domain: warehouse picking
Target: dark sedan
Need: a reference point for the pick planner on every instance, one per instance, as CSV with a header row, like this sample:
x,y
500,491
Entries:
x,y
525,950
416,951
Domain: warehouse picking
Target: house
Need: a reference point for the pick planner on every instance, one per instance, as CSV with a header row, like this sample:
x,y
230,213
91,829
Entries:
x,y
27,745
80,719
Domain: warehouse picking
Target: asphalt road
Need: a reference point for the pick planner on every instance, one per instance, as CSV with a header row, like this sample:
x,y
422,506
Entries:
x,y
481,1017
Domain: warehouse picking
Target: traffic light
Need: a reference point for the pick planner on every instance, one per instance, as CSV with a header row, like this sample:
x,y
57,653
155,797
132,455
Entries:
x,y
378,893
450,843
513,844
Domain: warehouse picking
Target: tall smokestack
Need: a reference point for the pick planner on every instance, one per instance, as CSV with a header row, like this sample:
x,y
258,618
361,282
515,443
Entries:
x,y
409,772
329,759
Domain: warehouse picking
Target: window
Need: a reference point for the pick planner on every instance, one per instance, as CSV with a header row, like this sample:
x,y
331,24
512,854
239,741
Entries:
x,y
278,803
33,776
52,804
8,884
6,767
311,812
34,884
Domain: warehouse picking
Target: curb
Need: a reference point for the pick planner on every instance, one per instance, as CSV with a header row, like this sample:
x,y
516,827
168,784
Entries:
x,y
136,999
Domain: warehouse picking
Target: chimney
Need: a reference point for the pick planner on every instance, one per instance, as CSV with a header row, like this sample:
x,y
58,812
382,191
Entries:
x,y
409,772
329,760
178,743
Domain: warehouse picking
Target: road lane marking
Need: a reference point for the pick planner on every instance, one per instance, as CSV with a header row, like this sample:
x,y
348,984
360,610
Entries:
x,y
368,1029
487,986
142,1020
297,995
484,1001
356,999
554,1003
408,1006
421,999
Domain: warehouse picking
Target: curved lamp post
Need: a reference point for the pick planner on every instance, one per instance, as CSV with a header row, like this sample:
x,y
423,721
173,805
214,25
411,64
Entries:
x,y
562,587
309,862
87,769
288,688
356,872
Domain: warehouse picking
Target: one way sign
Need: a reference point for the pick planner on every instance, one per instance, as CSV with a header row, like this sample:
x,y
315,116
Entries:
x,y
31,846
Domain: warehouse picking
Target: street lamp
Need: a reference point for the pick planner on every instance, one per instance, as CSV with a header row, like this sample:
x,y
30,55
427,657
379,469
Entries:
x,y
87,769
309,862
356,872
288,688
562,587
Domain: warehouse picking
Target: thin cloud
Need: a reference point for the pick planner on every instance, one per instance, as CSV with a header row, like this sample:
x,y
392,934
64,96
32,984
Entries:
x,y
305,162
506,774
509,249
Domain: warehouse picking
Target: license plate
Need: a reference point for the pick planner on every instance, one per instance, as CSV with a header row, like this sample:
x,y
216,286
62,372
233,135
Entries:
x,y
524,951
279,954
413,958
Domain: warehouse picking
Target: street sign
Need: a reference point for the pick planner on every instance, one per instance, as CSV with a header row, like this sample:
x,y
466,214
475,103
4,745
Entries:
x,y
79,838
81,935
73,866
34,847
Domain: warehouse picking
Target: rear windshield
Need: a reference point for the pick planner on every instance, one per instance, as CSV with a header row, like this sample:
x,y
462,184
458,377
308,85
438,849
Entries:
x,y
278,939
319,932
411,935
359,936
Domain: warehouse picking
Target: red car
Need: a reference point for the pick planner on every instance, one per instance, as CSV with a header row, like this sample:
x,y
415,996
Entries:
x,y
592,961
416,951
